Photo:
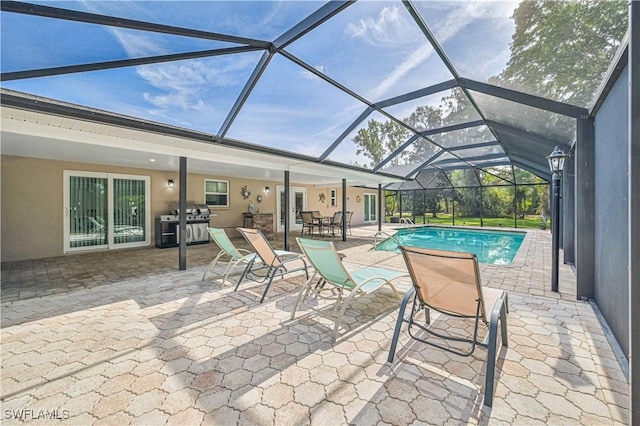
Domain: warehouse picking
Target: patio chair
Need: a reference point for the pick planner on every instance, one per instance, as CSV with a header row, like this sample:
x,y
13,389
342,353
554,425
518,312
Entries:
x,y
269,263
323,257
347,218
229,254
449,282
336,222
309,223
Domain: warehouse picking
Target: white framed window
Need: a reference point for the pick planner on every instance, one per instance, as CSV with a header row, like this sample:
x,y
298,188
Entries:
x,y
333,197
216,193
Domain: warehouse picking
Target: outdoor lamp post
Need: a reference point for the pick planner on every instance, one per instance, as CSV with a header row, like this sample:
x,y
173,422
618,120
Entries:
x,y
556,164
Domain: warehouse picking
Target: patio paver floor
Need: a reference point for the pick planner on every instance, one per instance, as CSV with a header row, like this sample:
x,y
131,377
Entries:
x,y
134,341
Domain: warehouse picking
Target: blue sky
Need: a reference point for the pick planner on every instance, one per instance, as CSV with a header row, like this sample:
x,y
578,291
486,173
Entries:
x,y
372,47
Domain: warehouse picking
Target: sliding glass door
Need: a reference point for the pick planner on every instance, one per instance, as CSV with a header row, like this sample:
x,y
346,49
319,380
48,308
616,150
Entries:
x,y
129,211
86,215
105,210
370,214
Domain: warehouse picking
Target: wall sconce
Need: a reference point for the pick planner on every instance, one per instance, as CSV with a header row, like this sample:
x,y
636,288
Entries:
x,y
170,183
267,189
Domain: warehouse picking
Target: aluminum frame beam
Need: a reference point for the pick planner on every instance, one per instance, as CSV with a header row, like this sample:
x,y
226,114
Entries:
x,y
436,88
634,210
443,56
324,13
123,63
346,132
469,159
261,66
477,145
618,64
112,21
534,137
423,135
524,98
533,168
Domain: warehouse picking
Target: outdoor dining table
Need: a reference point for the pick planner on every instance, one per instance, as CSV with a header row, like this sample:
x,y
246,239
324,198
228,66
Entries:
x,y
323,221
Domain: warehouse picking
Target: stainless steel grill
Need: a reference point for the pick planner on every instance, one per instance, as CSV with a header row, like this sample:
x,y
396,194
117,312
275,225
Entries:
x,y
198,219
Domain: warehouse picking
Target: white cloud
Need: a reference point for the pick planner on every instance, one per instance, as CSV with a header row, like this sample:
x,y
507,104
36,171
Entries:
x,y
413,60
183,84
385,29
137,44
309,75
469,12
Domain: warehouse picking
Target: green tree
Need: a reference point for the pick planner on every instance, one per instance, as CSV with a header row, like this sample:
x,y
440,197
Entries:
x,y
467,194
391,203
378,140
433,201
561,49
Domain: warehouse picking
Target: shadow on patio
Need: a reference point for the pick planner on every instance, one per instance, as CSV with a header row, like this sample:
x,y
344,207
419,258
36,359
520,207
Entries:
x,y
164,347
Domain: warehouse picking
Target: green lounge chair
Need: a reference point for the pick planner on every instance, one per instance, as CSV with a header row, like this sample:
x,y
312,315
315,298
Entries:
x,y
269,263
229,254
327,263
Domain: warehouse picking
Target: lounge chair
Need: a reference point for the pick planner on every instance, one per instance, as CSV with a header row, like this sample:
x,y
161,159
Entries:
x,y
99,228
449,282
229,254
269,263
327,263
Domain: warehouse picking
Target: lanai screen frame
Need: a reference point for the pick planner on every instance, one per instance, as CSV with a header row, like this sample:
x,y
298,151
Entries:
x,y
530,161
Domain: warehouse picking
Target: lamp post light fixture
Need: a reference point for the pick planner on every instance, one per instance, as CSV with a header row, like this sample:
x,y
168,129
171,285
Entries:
x,y
556,165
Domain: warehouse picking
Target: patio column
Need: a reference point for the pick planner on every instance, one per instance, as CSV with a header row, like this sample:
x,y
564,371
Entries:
x,y
634,208
568,207
424,206
413,204
379,207
453,211
287,206
182,219
515,204
584,208
481,221
344,210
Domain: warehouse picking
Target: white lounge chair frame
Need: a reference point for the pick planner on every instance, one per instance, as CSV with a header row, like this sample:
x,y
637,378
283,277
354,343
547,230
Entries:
x,y
332,271
229,254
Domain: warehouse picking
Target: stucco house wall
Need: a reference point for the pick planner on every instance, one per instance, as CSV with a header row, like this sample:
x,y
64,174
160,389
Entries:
x,y
32,210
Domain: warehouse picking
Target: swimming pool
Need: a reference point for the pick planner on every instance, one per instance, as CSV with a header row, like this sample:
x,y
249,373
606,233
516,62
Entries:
x,y
492,247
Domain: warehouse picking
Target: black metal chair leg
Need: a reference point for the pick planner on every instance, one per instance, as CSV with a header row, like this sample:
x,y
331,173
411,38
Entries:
x,y
244,273
273,274
399,321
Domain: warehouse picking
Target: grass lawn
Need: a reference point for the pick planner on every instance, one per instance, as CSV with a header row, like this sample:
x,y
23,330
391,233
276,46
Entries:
x,y
530,221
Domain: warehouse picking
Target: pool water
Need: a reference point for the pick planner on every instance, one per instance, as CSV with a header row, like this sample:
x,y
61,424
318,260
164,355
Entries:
x,y
492,247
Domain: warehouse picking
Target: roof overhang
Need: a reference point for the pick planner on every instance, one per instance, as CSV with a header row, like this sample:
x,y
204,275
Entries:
x,y
42,128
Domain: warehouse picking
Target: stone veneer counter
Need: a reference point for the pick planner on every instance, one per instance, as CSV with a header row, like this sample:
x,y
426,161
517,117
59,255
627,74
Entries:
x,y
261,221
